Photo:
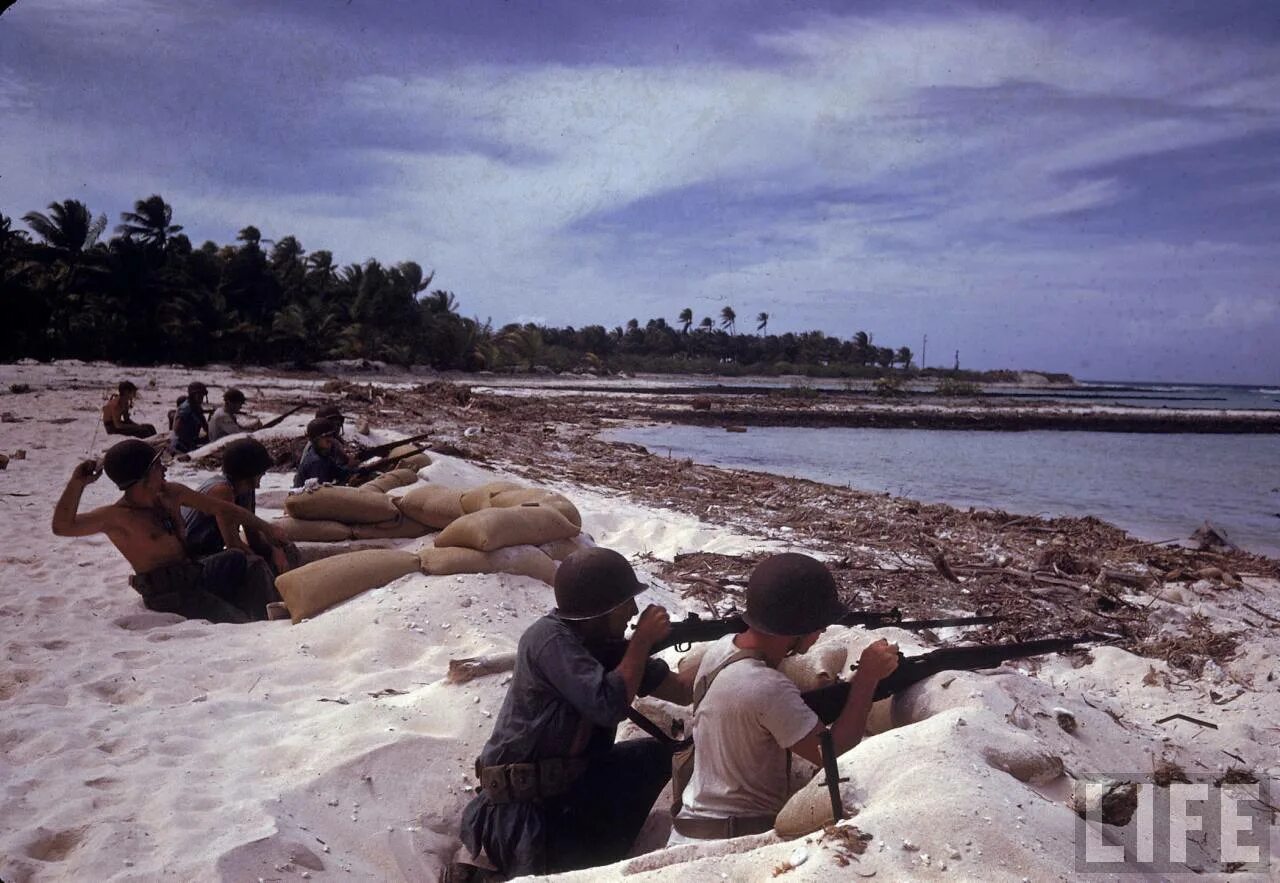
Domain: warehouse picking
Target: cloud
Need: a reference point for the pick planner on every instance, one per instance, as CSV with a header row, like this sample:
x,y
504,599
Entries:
x,y
952,171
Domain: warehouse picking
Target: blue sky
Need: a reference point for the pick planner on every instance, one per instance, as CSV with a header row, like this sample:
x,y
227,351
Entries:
x,y
1082,187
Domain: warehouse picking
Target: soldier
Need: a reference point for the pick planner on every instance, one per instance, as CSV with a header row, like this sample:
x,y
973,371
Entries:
x,y
115,413
749,717
190,428
224,421
556,792
146,526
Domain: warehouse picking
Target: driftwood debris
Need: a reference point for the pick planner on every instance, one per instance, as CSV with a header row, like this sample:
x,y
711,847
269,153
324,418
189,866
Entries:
x,y
472,667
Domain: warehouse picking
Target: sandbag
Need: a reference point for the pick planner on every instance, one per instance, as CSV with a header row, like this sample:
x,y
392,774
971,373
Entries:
x,y
809,809
433,505
399,528
408,451
520,560
562,549
415,462
298,530
308,552
398,477
818,667
480,497
490,529
520,496
315,587
350,505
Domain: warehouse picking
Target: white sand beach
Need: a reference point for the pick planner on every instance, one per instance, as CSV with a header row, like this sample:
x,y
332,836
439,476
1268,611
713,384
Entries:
x,y
134,746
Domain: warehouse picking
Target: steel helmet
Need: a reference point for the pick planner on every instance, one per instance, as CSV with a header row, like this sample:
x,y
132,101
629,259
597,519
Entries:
x,y
322,426
593,582
127,462
245,458
791,594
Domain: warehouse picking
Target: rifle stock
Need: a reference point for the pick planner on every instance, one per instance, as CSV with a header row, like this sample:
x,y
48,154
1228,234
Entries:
x,y
827,702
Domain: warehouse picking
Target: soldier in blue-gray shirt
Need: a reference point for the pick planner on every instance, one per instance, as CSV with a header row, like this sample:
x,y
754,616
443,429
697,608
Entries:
x,y
556,792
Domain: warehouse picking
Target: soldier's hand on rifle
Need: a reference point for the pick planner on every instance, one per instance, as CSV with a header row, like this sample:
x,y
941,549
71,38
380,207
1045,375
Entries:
x,y
654,625
878,660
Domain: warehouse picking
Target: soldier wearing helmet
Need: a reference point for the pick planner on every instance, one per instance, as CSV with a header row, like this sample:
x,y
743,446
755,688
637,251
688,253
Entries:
x,y
146,526
225,421
556,792
748,716
190,427
244,462
323,458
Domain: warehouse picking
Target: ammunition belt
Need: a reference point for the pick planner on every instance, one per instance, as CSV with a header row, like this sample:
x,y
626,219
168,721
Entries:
x,y
538,780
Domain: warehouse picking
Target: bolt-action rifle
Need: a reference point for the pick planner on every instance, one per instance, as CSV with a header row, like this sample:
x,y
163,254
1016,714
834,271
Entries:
x,y
387,447
696,630
276,421
827,702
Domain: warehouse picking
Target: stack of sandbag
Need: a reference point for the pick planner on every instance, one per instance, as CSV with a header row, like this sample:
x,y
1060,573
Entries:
x,y
315,587
531,524
335,514
506,494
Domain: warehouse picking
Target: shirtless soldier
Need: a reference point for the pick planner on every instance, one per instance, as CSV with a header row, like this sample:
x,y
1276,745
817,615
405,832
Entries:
x,y
115,413
146,526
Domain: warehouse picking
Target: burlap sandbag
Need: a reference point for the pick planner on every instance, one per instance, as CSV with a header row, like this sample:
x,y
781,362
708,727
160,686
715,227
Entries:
x,y
809,809
491,529
398,477
415,462
562,549
297,530
433,505
481,497
315,587
408,452
399,528
520,496
818,667
350,505
520,560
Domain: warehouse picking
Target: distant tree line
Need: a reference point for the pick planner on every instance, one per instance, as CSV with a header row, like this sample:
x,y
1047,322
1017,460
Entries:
x,y
147,295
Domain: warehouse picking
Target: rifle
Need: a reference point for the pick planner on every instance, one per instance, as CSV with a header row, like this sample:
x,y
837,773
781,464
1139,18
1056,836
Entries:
x,y
383,449
276,421
364,473
827,702
693,629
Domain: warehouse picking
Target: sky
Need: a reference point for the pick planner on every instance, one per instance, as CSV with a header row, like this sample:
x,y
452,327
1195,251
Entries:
x,y
1070,186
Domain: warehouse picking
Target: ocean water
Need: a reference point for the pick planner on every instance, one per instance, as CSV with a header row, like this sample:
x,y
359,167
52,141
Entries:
x,y
1157,486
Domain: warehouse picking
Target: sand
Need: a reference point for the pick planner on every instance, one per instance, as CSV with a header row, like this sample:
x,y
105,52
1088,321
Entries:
x,y
137,747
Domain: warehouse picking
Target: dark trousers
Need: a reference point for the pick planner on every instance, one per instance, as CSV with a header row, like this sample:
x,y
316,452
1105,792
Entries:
x,y
227,587
136,430
596,822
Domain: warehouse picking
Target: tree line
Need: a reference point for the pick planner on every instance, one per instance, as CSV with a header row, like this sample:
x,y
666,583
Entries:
x,y
147,295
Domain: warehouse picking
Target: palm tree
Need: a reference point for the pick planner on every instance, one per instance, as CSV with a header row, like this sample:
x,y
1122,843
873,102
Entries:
x,y
68,227
685,319
762,322
903,357
250,236
863,351
151,221
728,318
706,324
440,302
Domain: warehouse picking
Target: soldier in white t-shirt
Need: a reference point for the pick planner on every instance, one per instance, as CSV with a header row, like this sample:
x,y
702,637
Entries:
x,y
749,715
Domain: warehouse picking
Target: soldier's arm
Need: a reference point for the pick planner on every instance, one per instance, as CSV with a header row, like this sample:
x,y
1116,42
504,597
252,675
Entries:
x,y
68,521
185,496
